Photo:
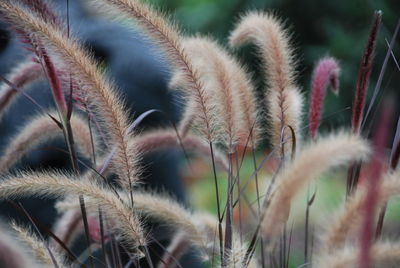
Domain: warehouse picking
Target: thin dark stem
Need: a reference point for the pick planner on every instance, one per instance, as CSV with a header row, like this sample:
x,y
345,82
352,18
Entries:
x,y
92,141
381,219
86,225
146,253
185,154
112,246
118,255
310,201
228,218
284,246
218,202
70,255
71,146
306,226
239,203
289,247
258,205
40,235
103,247
74,161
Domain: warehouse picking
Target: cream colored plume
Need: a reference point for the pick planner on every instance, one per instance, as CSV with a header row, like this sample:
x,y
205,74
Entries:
x,y
283,98
39,249
310,163
127,224
199,229
14,254
42,129
230,89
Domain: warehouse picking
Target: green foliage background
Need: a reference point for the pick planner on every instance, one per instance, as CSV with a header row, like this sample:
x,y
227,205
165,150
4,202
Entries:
x,y
319,27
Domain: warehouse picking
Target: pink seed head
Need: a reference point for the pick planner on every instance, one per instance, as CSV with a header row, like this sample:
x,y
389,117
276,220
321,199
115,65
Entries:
x,y
326,73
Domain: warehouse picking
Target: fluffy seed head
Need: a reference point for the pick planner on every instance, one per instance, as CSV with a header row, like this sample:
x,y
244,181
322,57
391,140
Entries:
x,y
283,98
229,86
47,256
42,129
126,225
308,165
326,73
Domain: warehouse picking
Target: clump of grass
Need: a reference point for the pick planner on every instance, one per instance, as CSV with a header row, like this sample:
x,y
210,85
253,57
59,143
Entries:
x,y
221,121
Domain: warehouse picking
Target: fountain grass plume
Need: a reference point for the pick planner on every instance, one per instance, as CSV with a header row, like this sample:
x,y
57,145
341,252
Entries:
x,y
325,73
282,94
57,184
42,129
308,165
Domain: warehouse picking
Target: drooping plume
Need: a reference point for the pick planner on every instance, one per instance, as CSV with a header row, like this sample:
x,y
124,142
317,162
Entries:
x,y
42,129
326,73
230,87
48,256
199,229
127,224
12,253
283,98
310,163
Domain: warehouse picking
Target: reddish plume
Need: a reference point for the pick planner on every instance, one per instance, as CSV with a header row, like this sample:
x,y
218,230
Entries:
x,y
326,73
364,74
375,173
55,83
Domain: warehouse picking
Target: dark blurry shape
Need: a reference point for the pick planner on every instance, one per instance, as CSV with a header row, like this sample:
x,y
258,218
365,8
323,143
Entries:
x,y
4,39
